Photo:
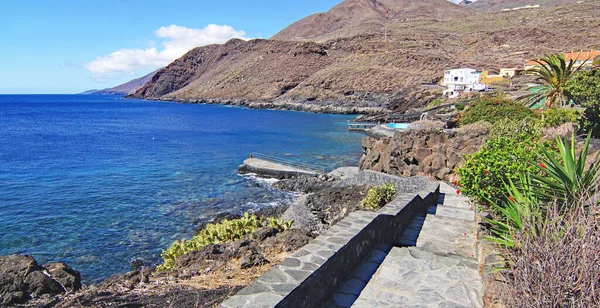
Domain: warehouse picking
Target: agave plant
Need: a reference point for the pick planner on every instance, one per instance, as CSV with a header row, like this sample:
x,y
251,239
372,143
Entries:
x,y
565,178
552,75
519,209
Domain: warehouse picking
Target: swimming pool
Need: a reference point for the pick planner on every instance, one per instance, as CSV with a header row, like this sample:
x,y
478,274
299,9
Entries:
x,y
398,125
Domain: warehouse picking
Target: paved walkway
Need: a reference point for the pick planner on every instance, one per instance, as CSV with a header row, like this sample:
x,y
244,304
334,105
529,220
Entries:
x,y
432,265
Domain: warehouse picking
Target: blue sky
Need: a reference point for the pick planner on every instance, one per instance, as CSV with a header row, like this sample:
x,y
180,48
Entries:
x,y
68,46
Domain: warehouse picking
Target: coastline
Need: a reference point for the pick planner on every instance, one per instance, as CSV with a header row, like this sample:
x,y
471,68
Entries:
x,y
305,105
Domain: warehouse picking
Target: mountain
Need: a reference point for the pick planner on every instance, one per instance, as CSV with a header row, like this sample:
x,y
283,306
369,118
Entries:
x,y
372,53
124,89
498,5
359,16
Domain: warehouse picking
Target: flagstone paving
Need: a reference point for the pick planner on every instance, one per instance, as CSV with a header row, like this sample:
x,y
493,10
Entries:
x,y
432,265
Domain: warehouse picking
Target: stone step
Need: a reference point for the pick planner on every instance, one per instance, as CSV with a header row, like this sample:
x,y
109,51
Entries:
x,y
454,213
447,189
448,236
415,277
454,201
347,294
411,233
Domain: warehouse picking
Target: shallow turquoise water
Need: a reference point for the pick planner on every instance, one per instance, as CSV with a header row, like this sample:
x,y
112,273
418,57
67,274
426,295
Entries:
x,y
398,125
98,181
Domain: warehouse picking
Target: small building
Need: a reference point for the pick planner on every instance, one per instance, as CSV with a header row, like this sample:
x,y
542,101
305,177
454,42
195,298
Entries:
x,y
531,64
488,79
585,58
509,72
461,80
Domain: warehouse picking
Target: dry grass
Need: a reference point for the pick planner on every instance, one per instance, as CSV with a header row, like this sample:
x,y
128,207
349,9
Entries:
x,y
232,275
564,130
561,266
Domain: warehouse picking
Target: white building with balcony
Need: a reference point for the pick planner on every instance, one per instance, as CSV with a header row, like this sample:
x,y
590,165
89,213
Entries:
x,y
461,80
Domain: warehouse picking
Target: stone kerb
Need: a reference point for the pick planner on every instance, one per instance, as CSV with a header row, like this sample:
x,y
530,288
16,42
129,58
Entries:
x,y
311,275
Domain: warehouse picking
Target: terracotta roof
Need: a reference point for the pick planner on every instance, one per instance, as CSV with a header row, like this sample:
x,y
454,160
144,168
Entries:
x,y
531,63
582,55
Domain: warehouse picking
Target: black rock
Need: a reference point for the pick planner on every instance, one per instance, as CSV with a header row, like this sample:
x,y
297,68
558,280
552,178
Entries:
x,y
21,278
69,278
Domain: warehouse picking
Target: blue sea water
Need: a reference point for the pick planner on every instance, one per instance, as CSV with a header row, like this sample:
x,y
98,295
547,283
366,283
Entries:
x,y
98,181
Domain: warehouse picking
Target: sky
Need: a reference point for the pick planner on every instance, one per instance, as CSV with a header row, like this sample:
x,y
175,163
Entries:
x,y
69,46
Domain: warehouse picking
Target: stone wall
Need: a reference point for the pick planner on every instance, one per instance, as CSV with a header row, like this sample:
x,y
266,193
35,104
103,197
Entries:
x,y
434,154
311,275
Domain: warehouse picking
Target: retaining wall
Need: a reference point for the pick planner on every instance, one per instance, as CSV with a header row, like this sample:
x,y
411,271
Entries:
x,y
311,275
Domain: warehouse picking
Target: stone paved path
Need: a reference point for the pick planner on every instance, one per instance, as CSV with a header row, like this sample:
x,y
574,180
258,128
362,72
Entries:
x,y
432,265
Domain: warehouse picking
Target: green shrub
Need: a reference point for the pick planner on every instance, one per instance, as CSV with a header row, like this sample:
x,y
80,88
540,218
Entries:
x,y
520,129
584,90
433,104
554,117
492,110
484,173
379,196
223,232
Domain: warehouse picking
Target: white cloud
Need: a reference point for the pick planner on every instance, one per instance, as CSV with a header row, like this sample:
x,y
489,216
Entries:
x,y
177,41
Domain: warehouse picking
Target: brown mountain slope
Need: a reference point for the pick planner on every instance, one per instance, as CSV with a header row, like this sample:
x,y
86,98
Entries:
x,y
127,88
372,66
352,17
497,5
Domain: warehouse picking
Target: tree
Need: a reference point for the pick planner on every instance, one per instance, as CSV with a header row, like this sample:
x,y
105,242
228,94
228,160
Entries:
x,y
584,90
552,74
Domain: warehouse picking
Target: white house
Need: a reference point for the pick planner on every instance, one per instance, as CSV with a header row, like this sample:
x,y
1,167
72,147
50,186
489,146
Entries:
x,y
461,80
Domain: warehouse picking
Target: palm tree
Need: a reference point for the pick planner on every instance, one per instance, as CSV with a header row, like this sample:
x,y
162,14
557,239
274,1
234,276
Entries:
x,y
552,75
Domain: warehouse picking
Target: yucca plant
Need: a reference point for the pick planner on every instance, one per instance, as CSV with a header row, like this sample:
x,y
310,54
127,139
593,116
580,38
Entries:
x,y
552,75
565,178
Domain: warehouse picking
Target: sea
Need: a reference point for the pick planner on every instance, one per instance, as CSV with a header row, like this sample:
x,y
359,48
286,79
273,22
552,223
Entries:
x,y
100,181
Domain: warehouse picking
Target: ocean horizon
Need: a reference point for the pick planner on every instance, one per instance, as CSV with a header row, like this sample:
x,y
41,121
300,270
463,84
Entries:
x,y
98,181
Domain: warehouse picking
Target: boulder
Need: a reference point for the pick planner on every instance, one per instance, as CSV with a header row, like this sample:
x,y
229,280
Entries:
x,y
39,284
69,278
251,258
13,271
262,233
21,278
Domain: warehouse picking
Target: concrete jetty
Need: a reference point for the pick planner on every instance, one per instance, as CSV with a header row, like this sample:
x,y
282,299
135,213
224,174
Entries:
x,y
279,170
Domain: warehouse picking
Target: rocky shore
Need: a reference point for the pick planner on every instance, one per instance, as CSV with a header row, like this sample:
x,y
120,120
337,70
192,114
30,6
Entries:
x,y
300,104
207,277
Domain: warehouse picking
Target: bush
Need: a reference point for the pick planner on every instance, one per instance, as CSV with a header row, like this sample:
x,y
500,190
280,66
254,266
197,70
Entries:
x,y
584,90
433,104
558,266
379,196
484,173
520,129
477,129
554,117
494,109
223,232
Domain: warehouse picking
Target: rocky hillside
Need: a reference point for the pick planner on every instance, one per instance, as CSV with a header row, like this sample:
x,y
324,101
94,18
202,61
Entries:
x,y
498,5
126,88
372,53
